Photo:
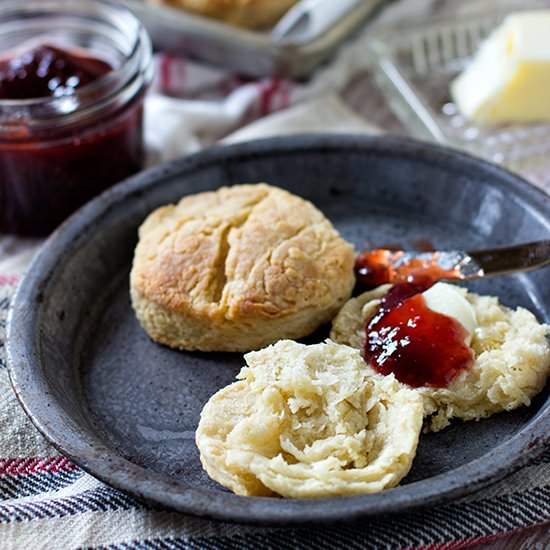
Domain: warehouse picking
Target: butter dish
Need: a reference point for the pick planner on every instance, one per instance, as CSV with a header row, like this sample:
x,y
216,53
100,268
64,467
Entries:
x,y
415,71
508,78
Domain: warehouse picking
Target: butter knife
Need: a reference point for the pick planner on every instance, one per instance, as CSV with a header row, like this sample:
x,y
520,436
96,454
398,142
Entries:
x,y
392,266
311,18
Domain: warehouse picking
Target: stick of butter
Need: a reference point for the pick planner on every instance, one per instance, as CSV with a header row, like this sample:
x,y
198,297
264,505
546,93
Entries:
x,y
509,78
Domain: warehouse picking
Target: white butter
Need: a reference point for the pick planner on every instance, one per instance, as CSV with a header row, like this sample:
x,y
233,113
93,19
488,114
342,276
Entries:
x,y
509,78
447,300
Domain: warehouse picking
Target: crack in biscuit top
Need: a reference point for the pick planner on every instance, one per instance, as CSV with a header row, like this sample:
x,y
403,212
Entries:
x,y
241,251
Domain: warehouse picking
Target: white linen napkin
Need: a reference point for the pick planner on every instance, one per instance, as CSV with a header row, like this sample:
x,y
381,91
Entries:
x,y
324,114
173,127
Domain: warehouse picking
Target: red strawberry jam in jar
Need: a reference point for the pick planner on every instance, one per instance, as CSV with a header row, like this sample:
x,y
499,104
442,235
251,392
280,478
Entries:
x,y
73,75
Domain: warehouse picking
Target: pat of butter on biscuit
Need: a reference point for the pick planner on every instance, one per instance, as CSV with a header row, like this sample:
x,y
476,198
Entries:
x,y
508,80
447,300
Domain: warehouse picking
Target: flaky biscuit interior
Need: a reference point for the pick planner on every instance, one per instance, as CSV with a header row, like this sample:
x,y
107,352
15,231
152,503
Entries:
x,y
307,422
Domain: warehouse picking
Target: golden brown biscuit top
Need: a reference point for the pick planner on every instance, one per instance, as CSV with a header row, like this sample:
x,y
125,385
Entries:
x,y
239,252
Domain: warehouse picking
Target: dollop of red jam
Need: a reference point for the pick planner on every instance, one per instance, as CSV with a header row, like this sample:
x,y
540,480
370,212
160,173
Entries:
x,y
421,347
376,267
47,71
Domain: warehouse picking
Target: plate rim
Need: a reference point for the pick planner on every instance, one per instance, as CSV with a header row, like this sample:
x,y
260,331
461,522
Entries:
x,y
105,464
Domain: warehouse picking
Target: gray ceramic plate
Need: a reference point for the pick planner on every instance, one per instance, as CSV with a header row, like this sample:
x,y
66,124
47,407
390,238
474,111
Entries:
x,y
126,409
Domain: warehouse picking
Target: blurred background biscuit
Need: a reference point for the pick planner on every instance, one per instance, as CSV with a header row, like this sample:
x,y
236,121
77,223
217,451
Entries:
x,y
251,14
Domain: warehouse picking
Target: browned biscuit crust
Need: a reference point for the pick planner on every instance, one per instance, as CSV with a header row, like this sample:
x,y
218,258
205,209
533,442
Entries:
x,y
237,269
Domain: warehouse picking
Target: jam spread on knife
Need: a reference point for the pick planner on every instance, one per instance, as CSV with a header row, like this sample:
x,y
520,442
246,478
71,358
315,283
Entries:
x,y
421,347
376,267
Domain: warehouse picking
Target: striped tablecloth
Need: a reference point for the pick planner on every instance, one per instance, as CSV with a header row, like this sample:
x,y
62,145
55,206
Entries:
x,y
47,502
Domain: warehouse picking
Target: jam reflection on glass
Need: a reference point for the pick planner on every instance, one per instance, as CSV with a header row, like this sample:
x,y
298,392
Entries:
x,y
47,71
46,174
421,347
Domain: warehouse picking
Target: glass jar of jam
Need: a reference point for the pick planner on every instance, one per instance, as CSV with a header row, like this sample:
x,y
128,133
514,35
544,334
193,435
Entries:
x,y
73,74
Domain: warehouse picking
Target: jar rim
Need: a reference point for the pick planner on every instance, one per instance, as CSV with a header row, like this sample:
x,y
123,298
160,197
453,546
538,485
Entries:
x,y
137,63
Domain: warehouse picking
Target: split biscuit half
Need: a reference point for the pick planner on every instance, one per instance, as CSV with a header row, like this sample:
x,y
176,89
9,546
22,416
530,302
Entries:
x,y
511,351
308,422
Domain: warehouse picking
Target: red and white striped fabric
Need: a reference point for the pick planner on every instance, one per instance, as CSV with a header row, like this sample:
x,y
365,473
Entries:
x,y
192,105
46,502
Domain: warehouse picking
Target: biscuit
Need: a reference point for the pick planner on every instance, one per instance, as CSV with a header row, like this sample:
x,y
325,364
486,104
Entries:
x,y
308,422
242,13
512,359
237,269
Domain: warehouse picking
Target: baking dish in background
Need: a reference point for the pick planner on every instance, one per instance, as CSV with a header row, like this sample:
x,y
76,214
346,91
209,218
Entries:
x,y
256,53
